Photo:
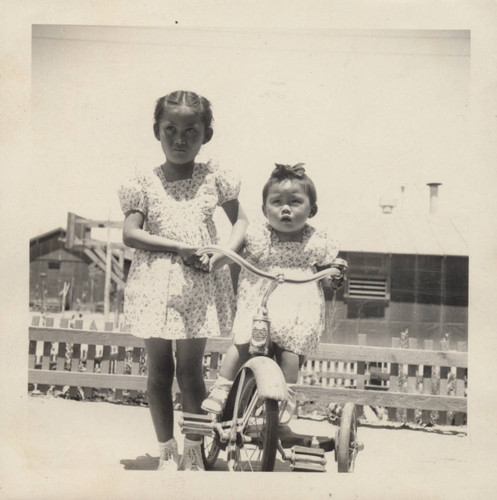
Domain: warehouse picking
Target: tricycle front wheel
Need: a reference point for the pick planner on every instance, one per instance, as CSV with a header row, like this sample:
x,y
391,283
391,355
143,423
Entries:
x,y
346,443
257,439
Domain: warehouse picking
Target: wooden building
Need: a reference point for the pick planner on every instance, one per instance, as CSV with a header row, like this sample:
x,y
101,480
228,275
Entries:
x,y
405,272
54,267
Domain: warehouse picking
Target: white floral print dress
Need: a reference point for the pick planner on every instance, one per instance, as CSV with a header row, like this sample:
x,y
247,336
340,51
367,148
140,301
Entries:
x,y
163,297
296,312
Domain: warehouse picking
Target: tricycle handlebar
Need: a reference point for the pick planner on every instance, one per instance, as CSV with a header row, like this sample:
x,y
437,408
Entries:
x,y
338,264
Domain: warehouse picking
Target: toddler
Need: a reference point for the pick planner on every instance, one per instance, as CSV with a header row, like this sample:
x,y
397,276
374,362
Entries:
x,y
285,243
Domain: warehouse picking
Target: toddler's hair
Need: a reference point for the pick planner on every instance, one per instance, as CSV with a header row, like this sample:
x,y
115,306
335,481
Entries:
x,y
184,98
291,172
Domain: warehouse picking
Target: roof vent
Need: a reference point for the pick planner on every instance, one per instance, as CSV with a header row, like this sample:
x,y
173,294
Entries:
x,y
434,196
387,204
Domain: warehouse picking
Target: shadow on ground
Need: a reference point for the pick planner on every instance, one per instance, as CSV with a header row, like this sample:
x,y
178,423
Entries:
x,y
140,463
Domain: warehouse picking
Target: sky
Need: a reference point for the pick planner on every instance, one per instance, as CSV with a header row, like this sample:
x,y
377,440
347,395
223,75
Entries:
x,y
367,111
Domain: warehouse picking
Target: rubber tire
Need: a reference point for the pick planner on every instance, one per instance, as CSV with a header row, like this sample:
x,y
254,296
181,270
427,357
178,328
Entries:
x,y
270,428
214,449
346,434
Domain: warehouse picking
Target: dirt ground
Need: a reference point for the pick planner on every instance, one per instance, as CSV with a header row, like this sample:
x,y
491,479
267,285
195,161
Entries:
x,y
79,449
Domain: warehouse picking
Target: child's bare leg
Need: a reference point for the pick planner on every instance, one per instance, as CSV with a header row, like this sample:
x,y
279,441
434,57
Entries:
x,y
289,363
189,355
160,366
235,357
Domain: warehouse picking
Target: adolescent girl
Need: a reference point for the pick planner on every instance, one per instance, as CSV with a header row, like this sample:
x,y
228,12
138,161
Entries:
x,y
172,293
283,244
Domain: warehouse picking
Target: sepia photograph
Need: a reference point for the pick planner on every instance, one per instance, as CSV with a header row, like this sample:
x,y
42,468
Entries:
x,y
256,244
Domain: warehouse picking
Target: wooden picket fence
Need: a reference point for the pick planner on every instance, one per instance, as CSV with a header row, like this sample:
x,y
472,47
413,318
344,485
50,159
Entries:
x,y
407,383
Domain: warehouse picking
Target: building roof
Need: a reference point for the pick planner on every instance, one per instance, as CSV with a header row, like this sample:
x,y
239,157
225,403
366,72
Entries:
x,y
399,233
49,234
61,232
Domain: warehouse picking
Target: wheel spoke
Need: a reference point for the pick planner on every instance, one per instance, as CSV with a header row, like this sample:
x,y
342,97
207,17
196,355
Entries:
x,y
253,456
256,431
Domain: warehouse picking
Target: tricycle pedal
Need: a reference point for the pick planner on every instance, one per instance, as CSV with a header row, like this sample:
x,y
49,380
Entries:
x,y
305,450
303,458
192,423
307,467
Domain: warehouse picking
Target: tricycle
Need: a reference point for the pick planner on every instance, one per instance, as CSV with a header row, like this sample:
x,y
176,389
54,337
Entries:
x,y
249,429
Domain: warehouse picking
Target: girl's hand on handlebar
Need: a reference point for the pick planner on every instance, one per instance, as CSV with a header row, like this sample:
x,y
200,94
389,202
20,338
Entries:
x,y
190,258
203,263
187,254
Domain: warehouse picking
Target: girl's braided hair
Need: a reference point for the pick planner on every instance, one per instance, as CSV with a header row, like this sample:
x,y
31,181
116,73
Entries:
x,y
200,104
292,172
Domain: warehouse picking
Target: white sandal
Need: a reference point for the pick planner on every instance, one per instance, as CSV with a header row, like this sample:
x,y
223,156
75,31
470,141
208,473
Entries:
x,y
216,400
168,456
192,457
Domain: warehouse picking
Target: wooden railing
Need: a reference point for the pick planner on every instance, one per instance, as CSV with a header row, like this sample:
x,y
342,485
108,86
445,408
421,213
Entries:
x,y
412,384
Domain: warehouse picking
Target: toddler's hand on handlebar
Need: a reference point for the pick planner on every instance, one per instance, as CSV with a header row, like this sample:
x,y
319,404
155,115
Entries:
x,y
337,274
334,275
215,260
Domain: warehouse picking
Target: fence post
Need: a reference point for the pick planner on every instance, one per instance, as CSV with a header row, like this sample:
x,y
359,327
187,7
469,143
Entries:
x,y
45,360
32,354
404,344
75,360
90,362
45,363
394,380
461,374
361,370
61,357
135,367
444,385
121,358
105,364
427,383
412,374
61,353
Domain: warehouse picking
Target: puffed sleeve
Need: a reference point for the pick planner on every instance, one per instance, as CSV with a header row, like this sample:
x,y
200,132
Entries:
x,y
257,241
324,247
227,184
133,197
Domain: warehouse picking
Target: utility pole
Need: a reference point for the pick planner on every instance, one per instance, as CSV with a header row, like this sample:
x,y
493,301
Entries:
x,y
108,269
43,295
78,236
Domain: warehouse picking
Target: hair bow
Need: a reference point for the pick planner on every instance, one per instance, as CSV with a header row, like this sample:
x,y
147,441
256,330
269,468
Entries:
x,y
297,170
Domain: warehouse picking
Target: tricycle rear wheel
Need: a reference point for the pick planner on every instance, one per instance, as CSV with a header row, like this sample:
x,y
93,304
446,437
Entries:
x,y
210,451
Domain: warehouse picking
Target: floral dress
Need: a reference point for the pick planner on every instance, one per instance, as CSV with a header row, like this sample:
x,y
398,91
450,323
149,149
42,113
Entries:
x,y
164,298
296,312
